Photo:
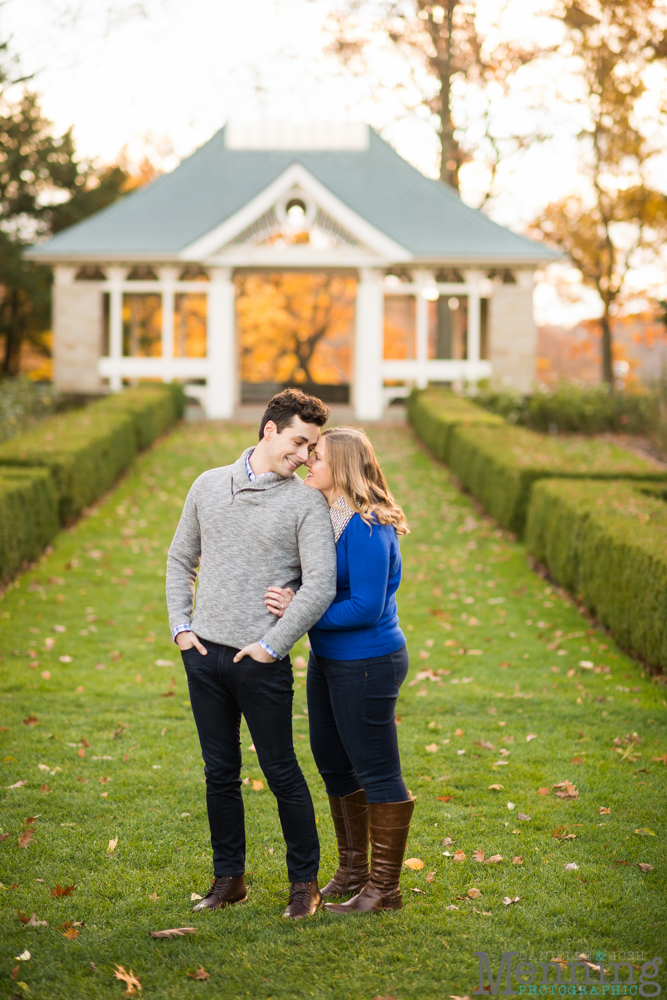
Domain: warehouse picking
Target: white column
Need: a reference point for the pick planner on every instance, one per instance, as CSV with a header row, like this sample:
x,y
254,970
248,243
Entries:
x,y
115,277
221,322
473,280
369,335
167,277
420,278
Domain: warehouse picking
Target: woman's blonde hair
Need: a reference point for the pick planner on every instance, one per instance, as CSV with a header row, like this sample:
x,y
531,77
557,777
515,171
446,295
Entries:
x,y
356,473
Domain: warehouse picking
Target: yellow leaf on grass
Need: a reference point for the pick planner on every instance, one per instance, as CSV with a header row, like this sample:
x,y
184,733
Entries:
x,y
129,978
459,732
495,859
414,864
474,893
257,786
432,747
517,860
113,844
604,811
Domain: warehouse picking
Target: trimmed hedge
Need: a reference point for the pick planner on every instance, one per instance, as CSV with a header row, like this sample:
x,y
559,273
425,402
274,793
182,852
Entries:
x,y
607,543
28,516
500,464
85,450
435,414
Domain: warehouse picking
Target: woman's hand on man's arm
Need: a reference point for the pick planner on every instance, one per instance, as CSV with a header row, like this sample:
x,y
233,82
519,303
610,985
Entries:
x,y
277,599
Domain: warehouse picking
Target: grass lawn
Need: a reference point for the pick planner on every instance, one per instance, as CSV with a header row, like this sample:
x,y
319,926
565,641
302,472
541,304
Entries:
x,y
97,728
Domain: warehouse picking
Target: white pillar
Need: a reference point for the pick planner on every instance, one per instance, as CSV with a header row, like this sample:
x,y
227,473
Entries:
x,y
115,276
369,336
420,279
167,277
221,322
473,280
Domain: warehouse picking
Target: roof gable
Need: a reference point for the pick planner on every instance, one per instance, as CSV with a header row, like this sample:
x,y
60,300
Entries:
x,y
373,193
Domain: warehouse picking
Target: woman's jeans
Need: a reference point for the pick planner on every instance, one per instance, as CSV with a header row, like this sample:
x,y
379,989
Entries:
x,y
220,692
352,725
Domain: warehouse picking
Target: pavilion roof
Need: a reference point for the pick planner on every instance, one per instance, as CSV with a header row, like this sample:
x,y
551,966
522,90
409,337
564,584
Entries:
x,y
423,215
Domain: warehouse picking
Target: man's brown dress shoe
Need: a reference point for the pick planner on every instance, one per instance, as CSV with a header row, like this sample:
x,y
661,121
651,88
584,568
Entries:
x,y
304,900
225,891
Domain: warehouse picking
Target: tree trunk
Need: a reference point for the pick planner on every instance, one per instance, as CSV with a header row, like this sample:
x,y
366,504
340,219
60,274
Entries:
x,y
449,148
12,360
607,360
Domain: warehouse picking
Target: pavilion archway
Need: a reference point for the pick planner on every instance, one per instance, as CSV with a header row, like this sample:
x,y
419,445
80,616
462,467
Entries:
x,y
295,328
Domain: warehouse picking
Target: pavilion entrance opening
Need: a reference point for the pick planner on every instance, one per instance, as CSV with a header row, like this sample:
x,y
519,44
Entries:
x,y
295,328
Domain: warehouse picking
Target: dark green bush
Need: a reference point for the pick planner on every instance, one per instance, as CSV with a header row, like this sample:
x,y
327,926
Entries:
x,y
436,413
607,543
569,408
85,450
499,466
28,516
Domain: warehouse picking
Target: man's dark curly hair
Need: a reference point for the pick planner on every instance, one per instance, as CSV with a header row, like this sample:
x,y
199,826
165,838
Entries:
x,y
290,403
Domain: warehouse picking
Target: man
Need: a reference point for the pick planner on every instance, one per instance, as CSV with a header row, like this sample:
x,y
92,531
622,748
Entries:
x,y
246,527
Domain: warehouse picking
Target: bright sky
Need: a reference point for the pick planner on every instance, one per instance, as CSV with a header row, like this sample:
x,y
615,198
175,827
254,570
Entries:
x,y
161,76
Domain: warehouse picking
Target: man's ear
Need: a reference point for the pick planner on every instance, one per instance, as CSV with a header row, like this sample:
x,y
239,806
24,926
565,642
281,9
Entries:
x,y
269,430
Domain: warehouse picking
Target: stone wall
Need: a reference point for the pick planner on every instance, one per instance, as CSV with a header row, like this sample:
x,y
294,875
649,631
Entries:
x,y
513,334
77,333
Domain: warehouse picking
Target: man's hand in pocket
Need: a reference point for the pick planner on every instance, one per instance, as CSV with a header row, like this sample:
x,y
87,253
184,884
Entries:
x,y
186,640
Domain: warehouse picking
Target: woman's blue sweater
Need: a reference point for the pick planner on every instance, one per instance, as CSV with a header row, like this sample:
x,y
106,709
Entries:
x,y
362,621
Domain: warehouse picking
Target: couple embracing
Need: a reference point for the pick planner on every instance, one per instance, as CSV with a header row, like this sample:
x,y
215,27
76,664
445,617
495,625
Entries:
x,y
272,559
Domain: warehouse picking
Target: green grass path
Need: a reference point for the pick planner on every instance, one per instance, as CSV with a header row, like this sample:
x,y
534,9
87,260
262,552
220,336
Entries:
x,y
85,650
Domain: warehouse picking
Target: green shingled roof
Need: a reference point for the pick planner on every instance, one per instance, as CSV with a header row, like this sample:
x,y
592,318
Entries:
x,y
421,214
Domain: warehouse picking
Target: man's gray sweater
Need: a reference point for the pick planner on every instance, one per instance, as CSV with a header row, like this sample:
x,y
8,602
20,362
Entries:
x,y
244,537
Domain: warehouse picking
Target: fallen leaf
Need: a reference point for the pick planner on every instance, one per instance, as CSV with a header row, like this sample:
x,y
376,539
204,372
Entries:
x,y
544,791
510,806
414,864
496,788
129,978
44,789
113,844
173,932
3,836
662,759
26,837
495,859
604,811
32,720
15,973
25,956
566,790
252,748
517,860
65,659
531,736
201,973
19,784
444,798
459,855
164,663
257,786
459,732
61,890
447,842
432,747
44,767
71,934
421,891
474,893
451,907
507,900
93,967
644,831
33,921
103,781
154,897
195,895
640,864
571,866
478,855
430,877
84,781
81,752
523,817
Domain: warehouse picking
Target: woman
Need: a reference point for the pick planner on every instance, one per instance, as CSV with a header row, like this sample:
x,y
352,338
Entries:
x,y
357,664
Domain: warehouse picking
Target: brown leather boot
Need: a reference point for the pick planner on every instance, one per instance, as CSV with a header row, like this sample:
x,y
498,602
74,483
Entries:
x,y
225,891
389,825
304,900
350,818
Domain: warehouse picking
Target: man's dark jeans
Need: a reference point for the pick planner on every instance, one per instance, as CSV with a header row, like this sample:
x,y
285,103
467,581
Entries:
x,y
220,692
352,724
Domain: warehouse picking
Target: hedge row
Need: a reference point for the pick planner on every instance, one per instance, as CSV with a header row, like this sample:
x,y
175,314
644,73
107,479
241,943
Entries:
x,y
81,452
435,415
499,462
607,543
28,516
